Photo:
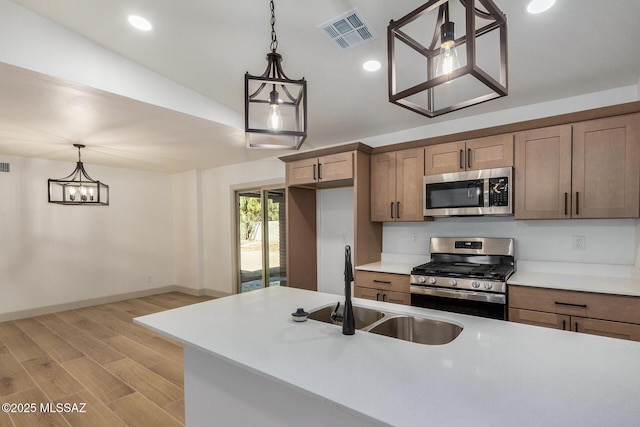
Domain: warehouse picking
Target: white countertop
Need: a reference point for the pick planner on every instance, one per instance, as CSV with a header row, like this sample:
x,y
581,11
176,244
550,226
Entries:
x,y
601,278
395,263
577,282
387,267
495,373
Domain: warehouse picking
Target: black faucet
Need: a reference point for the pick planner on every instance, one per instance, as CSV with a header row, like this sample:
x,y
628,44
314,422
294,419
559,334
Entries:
x,y
348,321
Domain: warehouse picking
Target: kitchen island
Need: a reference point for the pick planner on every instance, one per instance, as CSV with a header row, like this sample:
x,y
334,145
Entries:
x,y
248,363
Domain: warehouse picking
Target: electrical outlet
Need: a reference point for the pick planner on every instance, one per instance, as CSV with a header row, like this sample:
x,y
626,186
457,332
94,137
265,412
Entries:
x,y
579,243
414,238
344,237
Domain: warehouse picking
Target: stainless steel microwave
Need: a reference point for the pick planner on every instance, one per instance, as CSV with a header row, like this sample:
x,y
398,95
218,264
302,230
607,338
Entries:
x,y
479,192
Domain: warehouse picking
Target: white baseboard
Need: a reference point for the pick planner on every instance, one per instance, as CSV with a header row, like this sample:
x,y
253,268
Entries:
x,y
38,311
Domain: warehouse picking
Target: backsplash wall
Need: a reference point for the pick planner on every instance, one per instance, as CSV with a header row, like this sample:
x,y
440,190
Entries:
x,y
606,241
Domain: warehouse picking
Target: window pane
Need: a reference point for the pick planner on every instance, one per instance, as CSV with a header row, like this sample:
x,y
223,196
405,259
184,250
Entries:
x,y
250,227
276,238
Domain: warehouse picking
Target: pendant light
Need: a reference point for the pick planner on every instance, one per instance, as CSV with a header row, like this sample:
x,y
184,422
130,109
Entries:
x,y
275,106
78,188
451,73
448,57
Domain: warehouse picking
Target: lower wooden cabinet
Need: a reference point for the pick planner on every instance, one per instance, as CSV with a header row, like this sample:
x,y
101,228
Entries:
x,y
385,287
615,316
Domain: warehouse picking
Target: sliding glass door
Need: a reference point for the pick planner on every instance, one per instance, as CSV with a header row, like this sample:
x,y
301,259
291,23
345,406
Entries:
x,y
261,238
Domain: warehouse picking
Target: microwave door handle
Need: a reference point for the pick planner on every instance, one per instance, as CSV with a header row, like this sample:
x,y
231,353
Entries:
x,y
486,193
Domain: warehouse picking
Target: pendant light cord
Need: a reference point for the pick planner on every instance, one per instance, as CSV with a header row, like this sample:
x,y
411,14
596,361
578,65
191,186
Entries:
x,y
274,38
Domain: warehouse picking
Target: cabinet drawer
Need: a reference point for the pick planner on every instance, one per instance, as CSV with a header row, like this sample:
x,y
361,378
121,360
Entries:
x,y
606,328
539,318
380,295
585,304
383,281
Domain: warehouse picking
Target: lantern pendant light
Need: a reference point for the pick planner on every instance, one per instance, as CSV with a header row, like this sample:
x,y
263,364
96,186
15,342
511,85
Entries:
x,y
275,106
448,73
78,188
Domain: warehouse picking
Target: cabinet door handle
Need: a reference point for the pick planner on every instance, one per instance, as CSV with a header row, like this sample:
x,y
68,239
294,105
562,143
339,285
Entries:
x,y
564,325
571,305
566,204
397,210
391,210
378,296
468,157
319,171
384,297
576,326
314,172
577,203
461,159
384,282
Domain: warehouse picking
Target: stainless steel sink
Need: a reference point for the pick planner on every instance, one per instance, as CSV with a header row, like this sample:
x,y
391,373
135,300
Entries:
x,y
417,329
404,327
364,316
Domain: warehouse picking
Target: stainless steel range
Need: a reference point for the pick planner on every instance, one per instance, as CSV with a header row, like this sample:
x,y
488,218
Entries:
x,y
465,275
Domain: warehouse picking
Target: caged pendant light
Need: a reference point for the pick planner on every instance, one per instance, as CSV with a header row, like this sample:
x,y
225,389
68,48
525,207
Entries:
x,y
275,106
438,74
78,188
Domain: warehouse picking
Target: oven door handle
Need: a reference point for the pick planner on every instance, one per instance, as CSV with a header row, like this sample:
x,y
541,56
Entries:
x,y
460,294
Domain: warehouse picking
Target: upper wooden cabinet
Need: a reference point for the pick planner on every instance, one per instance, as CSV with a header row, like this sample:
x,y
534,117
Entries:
x,y
482,153
586,170
605,177
543,173
347,165
330,169
396,186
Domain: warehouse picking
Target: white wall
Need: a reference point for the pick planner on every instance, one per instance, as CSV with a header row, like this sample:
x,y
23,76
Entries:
x,y
30,41
53,254
186,230
513,115
607,241
335,222
218,186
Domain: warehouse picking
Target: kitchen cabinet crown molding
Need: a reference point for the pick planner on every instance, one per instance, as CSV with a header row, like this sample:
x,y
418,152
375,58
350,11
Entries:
x,y
354,146
562,119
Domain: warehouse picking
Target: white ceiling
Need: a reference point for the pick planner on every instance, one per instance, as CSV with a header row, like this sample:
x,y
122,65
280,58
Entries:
x,y
578,47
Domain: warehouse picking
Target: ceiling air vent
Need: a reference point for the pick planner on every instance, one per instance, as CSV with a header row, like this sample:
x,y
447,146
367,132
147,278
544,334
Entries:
x,y
5,167
348,30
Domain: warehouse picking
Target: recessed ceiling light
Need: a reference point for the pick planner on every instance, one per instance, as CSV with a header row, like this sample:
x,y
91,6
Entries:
x,y
371,65
140,23
539,6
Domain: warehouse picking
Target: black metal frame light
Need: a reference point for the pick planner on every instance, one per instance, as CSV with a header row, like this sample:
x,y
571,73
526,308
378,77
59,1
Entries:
x,y
78,188
444,32
274,99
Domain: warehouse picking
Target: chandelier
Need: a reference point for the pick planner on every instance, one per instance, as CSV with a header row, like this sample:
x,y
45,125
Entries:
x,y
275,106
437,73
78,188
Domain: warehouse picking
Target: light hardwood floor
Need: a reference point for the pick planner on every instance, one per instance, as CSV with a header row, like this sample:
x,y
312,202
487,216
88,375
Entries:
x,y
122,372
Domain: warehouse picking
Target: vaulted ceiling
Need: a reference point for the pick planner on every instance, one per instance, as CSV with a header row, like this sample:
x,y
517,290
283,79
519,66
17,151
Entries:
x,y
577,47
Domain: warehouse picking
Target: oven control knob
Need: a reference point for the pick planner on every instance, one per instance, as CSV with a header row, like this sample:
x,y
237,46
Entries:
x,y
475,284
453,282
488,285
432,280
422,279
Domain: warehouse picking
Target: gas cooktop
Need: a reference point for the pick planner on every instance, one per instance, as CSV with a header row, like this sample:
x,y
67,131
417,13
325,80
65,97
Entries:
x,y
465,269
